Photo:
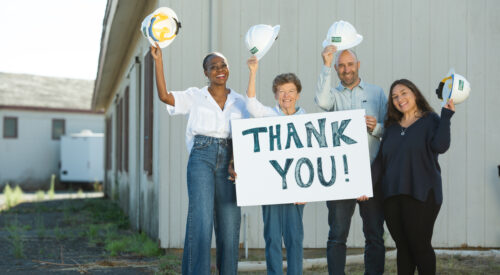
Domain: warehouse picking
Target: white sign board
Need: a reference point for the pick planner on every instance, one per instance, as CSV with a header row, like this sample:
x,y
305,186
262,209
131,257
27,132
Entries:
x,y
301,158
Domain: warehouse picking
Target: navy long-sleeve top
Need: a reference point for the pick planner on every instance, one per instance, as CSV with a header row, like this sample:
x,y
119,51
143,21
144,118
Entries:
x,y
407,164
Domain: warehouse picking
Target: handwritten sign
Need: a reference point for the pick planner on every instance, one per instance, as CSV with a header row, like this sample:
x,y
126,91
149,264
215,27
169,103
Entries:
x,y
301,158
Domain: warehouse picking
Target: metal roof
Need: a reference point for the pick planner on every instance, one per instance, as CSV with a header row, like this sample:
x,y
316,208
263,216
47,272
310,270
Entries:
x,y
47,92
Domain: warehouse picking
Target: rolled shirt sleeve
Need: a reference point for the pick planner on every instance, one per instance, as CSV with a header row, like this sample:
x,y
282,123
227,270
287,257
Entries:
x,y
323,96
257,109
183,102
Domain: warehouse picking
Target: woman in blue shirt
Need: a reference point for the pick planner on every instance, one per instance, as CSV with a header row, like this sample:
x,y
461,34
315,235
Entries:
x,y
281,221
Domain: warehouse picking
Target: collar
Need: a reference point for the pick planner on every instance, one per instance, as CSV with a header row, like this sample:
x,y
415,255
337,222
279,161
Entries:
x,y
231,97
298,111
341,87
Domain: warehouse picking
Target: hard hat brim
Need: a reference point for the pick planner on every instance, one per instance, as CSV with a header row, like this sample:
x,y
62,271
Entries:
x,y
344,46
451,93
261,53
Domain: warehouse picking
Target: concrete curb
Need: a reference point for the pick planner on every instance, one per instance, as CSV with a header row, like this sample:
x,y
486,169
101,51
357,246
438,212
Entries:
x,y
359,259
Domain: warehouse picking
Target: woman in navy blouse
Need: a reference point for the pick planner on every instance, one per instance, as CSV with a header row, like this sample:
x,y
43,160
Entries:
x,y
408,173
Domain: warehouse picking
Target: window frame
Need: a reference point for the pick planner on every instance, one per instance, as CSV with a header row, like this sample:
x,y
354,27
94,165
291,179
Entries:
x,y
16,131
54,120
148,113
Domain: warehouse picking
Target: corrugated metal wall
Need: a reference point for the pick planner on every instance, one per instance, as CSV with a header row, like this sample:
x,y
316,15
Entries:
x,y
418,40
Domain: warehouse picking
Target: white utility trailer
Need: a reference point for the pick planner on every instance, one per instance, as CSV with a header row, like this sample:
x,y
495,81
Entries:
x,y
82,157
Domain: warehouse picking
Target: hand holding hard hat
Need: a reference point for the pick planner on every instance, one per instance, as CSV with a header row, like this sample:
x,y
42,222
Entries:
x,y
343,35
161,26
453,86
260,38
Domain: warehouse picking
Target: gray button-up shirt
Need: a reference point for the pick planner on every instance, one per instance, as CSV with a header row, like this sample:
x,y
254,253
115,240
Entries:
x,y
363,96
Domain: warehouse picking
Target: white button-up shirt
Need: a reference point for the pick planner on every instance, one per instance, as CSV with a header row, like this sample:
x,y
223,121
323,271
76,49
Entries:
x,y
205,116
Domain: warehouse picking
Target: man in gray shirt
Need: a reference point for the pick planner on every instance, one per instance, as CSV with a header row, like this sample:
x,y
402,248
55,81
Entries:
x,y
353,93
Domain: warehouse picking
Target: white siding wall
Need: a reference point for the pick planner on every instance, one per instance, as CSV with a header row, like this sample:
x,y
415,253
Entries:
x,y
34,156
418,40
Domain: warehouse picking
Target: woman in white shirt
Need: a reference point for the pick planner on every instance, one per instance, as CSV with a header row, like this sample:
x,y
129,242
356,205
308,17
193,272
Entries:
x,y
212,197
280,220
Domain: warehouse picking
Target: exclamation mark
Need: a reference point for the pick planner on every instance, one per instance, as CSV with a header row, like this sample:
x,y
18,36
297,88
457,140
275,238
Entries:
x,y
346,168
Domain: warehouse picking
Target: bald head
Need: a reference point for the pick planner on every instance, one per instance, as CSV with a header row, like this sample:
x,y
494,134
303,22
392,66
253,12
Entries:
x,y
347,66
345,53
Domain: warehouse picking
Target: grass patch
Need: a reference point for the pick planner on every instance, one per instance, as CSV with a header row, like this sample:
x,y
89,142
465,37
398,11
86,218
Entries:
x,y
138,244
104,212
170,264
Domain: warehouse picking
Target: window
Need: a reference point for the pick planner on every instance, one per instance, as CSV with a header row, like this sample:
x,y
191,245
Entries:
x,y
109,136
148,113
125,129
118,137
10,127
58,128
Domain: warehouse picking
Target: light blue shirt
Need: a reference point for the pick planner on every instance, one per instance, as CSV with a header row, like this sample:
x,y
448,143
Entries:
x,y
363,96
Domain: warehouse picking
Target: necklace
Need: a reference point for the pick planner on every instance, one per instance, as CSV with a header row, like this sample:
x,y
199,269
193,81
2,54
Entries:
x,y
403,130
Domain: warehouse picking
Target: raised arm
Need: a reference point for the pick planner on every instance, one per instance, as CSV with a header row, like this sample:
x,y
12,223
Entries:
x,y
323,97
254,107
253,65
164,95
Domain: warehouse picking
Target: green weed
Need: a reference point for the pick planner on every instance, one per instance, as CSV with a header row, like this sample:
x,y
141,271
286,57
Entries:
x,y
16,238
138,244
40,195
169,265
60,235
51,192
40,225
12,197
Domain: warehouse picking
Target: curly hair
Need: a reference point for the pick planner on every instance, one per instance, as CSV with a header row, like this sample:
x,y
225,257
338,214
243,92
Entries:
x,y
394,115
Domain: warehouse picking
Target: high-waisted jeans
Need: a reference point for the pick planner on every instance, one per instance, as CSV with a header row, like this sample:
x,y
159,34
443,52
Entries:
x,y
212,204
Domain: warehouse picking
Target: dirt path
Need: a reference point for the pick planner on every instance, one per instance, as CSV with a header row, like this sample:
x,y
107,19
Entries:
x,y
67,236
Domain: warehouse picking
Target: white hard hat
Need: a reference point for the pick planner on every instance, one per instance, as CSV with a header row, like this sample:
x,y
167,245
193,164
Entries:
x,y
453,86
260,38
161,26
343,35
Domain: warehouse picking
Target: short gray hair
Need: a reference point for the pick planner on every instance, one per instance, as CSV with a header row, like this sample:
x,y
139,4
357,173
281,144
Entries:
x,y
342,51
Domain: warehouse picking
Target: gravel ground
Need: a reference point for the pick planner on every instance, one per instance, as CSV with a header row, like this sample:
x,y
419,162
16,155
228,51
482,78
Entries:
x,y
50,237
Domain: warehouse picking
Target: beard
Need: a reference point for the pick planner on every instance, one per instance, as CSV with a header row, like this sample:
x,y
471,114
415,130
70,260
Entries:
x,y
349,79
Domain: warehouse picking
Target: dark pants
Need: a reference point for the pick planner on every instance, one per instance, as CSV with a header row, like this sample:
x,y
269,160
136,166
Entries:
x,y
339,219
411,223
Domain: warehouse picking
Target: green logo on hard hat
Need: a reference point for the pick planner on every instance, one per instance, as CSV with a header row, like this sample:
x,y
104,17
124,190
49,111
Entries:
x,y
336,39
460,85
254,50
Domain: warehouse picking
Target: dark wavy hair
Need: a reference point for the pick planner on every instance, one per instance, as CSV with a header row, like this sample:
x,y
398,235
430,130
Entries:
x,y
286,78
393,115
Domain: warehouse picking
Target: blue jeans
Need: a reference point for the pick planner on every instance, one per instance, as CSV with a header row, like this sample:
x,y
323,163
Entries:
x,y
212,204
339,219
283,220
